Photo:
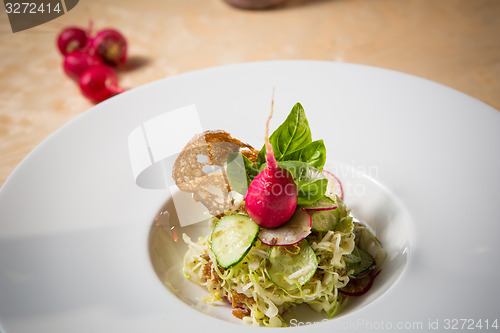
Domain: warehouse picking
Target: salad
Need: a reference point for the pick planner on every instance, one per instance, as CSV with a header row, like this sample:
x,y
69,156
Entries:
x,y
280,234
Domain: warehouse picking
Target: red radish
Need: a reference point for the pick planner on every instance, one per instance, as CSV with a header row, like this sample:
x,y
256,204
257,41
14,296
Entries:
x,y
71,39
272,195
334,185
290,233
76,62
99,83
110,46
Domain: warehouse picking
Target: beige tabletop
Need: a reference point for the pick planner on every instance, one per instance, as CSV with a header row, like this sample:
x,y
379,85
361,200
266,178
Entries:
x,y
452,42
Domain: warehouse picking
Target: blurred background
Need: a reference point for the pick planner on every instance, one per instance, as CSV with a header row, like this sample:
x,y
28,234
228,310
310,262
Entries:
x,y
452,42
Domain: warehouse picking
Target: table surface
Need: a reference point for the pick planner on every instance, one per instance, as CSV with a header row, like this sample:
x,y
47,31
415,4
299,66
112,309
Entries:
x,y
452,42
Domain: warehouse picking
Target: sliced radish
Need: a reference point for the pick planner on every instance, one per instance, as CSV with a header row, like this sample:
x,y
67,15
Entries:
x,y
358,287
334,185
324,203
293,231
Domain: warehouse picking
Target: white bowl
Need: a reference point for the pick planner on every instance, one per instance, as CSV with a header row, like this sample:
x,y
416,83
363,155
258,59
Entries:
x,y
76,214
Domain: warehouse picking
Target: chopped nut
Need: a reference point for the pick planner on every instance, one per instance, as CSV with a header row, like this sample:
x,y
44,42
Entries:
x,y
240,313
206,270
215,277
238,298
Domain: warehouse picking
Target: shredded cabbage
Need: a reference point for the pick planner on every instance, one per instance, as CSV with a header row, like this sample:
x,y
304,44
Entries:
x,y
257,299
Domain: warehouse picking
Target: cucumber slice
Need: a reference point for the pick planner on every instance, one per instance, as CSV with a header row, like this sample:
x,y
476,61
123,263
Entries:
x,y
292,266
365,262
232,238
325,203
324,220
352,258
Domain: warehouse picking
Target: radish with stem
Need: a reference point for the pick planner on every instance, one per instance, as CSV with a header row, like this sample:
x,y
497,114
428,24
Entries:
x,y
272,196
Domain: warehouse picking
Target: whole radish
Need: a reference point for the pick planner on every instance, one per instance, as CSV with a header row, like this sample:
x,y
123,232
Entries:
x,y
110,46
272,196
99,83
76,62
71,39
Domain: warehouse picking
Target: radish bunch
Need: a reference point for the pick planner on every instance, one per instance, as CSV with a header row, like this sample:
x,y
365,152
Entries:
x,y
90,60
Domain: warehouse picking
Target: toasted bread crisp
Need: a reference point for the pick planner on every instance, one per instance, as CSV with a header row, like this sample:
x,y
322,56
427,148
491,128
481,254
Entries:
x,y
199,168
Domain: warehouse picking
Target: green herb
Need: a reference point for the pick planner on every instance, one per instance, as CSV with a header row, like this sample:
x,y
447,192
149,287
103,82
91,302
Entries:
x,y
310,181
290,137
313,154
240,172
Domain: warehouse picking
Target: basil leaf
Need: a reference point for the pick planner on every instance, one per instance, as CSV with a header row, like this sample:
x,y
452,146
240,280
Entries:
x,y
314,154
240,172
310,181
293,134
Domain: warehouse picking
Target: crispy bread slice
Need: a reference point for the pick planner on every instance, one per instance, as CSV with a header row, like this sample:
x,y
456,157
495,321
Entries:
x,y
199,168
